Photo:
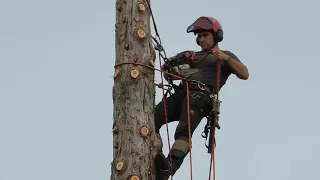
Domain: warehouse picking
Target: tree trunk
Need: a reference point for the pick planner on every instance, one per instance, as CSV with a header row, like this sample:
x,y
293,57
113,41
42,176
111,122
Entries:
x,y
134,140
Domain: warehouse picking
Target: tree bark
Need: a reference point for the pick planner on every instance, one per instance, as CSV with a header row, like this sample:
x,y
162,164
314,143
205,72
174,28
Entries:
x,y
134,140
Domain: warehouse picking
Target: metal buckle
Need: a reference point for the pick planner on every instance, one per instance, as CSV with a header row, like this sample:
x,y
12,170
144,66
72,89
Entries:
x,y
201,86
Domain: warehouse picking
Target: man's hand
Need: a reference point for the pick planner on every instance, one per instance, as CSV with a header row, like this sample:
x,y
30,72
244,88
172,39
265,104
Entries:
x,y
189,54
182,58
239,69
168,69
220,55
164,67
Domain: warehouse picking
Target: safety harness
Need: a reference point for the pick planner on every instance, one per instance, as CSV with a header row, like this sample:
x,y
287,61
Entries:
x,y
210,125
179,64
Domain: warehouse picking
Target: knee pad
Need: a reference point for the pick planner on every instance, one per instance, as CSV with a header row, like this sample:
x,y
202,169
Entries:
x,y
180,148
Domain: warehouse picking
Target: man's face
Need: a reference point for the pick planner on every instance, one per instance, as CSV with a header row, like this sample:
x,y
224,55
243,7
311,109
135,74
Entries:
x,y
205,40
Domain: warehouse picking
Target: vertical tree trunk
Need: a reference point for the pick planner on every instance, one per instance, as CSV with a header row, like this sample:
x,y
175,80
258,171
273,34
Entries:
x,y
134,140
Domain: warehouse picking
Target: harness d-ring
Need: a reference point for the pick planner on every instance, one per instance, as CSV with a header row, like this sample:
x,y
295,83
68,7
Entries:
x,y
201,86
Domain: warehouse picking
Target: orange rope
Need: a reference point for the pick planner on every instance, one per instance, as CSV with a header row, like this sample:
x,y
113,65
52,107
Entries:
x,y
166,117
189,128
212,162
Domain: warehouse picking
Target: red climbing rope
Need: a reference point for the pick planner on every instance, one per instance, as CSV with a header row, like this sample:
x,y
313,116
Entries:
x,y
189,128
166,117
212,162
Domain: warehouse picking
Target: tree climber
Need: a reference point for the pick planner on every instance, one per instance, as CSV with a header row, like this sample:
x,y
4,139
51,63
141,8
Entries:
x,y
200,70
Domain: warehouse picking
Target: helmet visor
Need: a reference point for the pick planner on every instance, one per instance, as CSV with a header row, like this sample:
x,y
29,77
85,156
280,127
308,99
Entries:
x,y
202,23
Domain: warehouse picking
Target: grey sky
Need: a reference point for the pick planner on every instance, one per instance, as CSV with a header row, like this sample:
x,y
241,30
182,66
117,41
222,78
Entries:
x,y
56,67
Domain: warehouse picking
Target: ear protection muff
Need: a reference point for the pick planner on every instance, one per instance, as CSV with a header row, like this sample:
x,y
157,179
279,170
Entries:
x,y
217,37
197,40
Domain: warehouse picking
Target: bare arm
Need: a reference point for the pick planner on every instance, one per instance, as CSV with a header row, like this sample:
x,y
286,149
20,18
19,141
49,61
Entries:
x,y
236,66
239,69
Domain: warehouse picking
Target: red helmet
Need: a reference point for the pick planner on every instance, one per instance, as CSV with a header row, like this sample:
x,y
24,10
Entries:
x,y
207,23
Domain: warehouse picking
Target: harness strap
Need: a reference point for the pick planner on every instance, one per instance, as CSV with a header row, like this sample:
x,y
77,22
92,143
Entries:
x,y
197,85
208,128
206,132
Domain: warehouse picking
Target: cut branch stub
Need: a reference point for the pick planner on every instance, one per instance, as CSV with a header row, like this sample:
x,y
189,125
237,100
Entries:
x,y
126,46
141,33
120,166
144,131
134,73
115,129
134,177
151,63
116,72
142,7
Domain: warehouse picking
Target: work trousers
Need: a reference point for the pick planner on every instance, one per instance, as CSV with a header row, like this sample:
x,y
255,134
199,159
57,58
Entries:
x,y
200,106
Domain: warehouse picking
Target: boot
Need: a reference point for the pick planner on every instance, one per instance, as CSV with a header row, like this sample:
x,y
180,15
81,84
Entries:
x,y
162,167
178,152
